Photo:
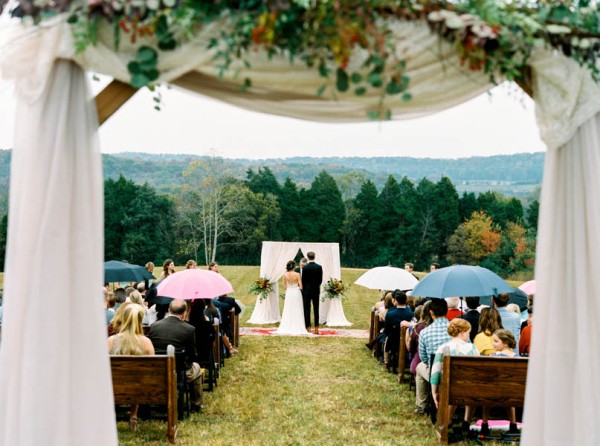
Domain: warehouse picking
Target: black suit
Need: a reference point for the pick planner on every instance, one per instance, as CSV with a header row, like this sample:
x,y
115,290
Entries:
x,y
472,317
312,277
178,333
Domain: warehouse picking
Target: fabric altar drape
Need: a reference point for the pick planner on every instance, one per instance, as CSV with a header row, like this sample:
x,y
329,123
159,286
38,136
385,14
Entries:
x,y
273,258
562,386
55,384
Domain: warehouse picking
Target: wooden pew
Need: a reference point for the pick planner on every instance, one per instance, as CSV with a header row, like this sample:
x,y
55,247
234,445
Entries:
x,y
403,367
147,379
235,328
479,381
372,334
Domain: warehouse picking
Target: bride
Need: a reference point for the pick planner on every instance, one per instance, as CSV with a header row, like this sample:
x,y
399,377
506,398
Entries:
x,y
292,320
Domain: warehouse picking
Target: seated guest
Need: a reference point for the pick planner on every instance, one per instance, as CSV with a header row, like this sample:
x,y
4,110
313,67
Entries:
x,y
504,346
232,304
115,325
131,341
173,330
472,316
119,297
425,320
458,345
453,310
381,336
109,306
205,335
514,308
191,264
510,320
135,297
429,341
225,325
214,267
393,318
489,322
387,304
525,340
211,311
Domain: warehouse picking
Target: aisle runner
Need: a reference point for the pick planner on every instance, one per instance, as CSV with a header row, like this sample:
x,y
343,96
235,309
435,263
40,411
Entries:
x,y
336,332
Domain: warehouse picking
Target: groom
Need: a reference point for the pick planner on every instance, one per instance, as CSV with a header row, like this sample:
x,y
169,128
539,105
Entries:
x,y
312,276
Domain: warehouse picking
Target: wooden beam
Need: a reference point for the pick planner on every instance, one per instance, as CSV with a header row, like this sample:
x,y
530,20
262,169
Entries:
x,y
109,100
526,83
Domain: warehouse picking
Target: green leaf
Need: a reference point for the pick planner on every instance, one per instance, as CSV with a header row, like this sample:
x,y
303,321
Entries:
x,y
147,54
356,78
392,88
342,82
373,115
406,97
360,91
139,80
152,74
321,90
323,70
375,80
168,43
134,67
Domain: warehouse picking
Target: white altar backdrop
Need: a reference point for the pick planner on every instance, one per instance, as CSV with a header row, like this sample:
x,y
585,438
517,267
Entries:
x,y
273,259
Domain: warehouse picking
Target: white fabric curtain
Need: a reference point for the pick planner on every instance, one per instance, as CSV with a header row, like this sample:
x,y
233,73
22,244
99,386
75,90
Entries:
x,y
563,392
55,384
273,258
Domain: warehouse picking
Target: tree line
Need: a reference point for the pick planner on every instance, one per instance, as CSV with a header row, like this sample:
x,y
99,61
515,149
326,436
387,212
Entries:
x,y
215,216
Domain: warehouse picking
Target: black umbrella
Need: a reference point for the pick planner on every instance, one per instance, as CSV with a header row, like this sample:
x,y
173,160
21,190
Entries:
x,y
115,271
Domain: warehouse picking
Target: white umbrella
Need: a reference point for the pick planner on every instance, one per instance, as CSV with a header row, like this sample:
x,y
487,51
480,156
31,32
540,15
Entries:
x,y
387,278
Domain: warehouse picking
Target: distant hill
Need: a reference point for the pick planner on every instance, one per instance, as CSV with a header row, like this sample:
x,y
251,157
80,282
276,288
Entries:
x,y
517,175
510,174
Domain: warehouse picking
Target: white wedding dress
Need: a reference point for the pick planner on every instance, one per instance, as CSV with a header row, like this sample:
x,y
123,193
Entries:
x,y
292,320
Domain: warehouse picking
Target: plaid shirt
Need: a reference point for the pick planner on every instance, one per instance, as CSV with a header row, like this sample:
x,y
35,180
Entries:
x,y
432,337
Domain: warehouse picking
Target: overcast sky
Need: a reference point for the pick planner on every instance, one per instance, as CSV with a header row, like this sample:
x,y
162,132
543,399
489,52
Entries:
x,y
502,122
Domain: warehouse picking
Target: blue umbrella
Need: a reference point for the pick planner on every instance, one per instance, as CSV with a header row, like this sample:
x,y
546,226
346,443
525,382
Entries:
x,y
115,271
461,280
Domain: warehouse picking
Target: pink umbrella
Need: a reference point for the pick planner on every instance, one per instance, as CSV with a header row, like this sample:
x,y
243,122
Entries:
x,y
528,287
194,284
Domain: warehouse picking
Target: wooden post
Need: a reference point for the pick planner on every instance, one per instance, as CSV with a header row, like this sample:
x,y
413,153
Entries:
x,y
112,98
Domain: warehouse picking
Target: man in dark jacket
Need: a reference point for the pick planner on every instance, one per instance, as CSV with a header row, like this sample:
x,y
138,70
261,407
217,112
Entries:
x,y
312,277
472,316
174,330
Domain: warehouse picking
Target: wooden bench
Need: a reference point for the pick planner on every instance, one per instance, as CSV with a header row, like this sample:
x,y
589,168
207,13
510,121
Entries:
x,y
235,328
372,333
479,381
403,364
147,379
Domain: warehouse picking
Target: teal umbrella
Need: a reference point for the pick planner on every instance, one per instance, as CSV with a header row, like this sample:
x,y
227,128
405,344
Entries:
x,y
461,281
115,271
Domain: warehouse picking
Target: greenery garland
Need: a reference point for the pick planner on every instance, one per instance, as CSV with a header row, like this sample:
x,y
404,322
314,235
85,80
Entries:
x,y
496,37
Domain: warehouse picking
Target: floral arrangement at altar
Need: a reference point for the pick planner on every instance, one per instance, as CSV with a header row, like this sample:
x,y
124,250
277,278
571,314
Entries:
x,y
496,37
262,287
334,288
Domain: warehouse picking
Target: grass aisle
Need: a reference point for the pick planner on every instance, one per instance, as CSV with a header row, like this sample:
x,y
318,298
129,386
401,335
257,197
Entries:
x,y
300,391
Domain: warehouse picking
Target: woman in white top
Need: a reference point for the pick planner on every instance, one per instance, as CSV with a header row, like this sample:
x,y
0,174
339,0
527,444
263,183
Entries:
x,y
292,320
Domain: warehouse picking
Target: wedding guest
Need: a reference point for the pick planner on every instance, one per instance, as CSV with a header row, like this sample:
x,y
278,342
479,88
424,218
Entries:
x,y
424,321
136,298
150,267
115,324
453,310
168,269
429,340
205,335
174,330
489,322
130,340
109,306
191,264
213,266
434,267
504,346
525,339
510,320
387,304
514,308
409,268
472,316
393,318
119,297
458,345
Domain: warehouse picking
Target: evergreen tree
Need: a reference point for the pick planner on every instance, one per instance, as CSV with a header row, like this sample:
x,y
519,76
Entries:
x,y
533,214
390,200
467,205
447,214
138,223
323,210
290,204
263,181
367,216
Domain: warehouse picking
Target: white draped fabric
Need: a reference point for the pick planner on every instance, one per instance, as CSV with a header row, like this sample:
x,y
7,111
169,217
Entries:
x,y
55,385
335,314
273,258
47,223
